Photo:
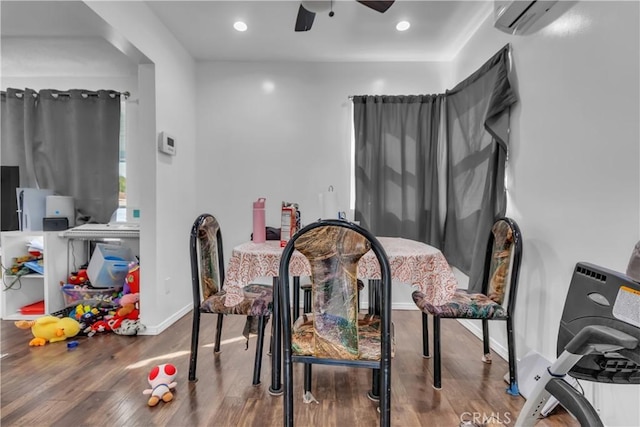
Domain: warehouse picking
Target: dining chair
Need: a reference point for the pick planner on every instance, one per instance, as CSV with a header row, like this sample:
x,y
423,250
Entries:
x,y
207,279
306,295
333,332
497,301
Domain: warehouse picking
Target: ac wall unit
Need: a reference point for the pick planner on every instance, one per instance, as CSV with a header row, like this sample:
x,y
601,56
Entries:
x,y
522,16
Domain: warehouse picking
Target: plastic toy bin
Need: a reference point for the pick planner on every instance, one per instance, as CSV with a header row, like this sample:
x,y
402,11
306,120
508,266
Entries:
x,y
74,295
109,266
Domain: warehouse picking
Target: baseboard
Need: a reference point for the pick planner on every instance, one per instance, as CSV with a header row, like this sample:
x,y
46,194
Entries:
x,y
157,329
498,348
404,306
364,305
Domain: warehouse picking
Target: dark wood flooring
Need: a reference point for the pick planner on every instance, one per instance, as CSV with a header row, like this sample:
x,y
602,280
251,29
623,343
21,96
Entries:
x,y
100,382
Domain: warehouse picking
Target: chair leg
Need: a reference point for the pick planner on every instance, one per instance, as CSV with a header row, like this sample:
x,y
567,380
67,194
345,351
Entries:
x,y
216,348
385,395
307,301
287,387
307,378
372,297
259,345
374,393
296,297
486,357
511,344
437,375
425,336
195,332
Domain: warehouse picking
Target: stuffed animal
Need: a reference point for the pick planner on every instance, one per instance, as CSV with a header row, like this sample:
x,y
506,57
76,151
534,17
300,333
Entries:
x,y
99,326
128,303
161,379
50,329
79,277
132,281
126,321
120,326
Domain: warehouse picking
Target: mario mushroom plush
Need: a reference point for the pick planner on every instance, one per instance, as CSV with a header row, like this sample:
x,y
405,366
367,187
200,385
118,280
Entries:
x,y
161,381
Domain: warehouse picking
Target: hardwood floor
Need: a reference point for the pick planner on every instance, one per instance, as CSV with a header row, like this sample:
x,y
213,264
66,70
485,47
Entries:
x,y
100,382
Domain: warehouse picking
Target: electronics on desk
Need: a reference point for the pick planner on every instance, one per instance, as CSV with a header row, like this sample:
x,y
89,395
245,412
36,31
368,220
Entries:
x,y
167,144
61,207
31,207
55,224
9,181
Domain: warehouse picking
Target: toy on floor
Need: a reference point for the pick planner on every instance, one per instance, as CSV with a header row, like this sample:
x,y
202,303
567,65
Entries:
x,y
126,321
132,281
50,329
161,379
128,305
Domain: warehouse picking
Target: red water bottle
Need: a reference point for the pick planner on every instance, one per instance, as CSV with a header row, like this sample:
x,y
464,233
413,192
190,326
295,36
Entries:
x,y
259,229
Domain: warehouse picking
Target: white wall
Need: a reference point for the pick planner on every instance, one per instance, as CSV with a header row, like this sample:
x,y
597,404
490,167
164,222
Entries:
x,y
283,131
168,199
574,177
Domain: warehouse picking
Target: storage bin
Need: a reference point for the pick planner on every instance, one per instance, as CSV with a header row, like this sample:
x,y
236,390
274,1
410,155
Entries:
x,y
109,265
74,295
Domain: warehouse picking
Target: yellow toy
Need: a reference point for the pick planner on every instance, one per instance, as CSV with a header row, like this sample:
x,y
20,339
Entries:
x,y
50,329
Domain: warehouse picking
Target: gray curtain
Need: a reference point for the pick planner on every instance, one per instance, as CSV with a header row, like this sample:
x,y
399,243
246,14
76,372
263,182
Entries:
x,y
477,116
18,127
68,142
396,147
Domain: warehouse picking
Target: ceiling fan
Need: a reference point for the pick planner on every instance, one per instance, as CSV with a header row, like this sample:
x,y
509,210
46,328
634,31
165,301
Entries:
x,y
308,9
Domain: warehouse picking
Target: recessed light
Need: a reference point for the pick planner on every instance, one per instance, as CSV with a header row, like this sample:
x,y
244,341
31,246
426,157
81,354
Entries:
x,y
240,26
403,26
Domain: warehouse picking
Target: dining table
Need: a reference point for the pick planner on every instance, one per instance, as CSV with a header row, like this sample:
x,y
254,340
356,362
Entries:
x,y
417,264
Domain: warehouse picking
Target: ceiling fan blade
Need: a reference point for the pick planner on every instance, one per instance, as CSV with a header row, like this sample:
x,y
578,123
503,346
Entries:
x,y
380,6
304,21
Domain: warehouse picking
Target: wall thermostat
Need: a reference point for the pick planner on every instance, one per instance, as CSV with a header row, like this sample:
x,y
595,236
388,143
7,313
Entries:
x,y
167,144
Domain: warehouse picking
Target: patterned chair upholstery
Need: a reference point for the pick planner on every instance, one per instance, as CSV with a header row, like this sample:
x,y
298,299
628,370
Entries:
x,y
334,332
207,279
496,302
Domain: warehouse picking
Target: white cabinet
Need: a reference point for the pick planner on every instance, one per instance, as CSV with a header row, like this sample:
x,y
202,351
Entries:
x,y
28,289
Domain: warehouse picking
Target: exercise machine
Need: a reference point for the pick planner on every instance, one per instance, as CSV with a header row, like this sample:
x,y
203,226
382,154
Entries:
x,y
598,341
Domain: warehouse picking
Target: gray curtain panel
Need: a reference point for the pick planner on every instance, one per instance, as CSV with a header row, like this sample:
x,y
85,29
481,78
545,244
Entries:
x,y
72,138
18,127
396,149
477,115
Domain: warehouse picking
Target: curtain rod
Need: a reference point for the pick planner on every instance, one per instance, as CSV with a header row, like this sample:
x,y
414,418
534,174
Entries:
x,y
126,94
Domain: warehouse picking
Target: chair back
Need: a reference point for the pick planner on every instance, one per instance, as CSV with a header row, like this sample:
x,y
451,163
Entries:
x,y
333,249
333,253
207,265
502,263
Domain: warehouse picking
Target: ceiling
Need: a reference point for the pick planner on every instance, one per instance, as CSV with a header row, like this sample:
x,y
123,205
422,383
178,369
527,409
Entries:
x,y
439,29
355,33
57,39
